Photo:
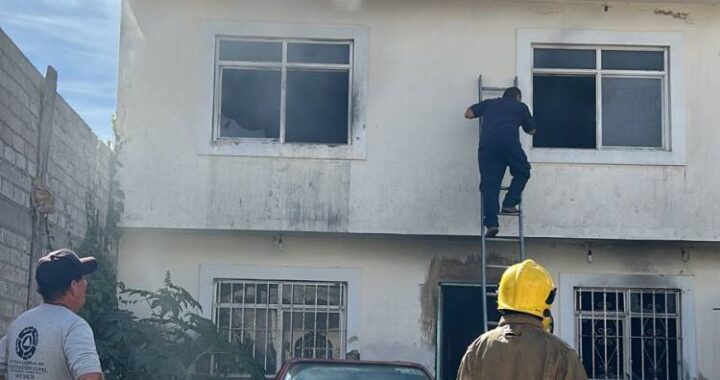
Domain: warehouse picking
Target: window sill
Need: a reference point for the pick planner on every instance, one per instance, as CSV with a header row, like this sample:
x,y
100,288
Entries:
x,y
279,150
608,156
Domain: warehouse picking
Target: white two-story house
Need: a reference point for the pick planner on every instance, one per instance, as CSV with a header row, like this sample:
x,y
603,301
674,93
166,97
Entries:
x,y
303,167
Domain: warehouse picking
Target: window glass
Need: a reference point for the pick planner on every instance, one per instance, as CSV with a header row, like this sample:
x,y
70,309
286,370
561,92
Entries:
x,y
564,59
250,103
632,112
251,51
564,108
317,107
633,60
318,53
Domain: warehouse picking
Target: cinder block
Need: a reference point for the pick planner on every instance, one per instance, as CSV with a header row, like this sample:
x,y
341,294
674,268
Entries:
x,y
9,154
32,168
20,162
6,189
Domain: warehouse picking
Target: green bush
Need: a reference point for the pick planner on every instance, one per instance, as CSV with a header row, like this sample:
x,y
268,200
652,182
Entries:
x,y
173,342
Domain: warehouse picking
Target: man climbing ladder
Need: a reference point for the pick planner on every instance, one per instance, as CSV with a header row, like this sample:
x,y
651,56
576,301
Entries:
x,y
499,148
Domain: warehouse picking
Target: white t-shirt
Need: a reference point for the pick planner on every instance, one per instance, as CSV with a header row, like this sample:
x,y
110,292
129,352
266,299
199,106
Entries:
x,y
48,342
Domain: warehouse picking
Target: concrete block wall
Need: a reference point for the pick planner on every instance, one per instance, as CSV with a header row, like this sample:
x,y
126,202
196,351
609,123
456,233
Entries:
x,y
77,172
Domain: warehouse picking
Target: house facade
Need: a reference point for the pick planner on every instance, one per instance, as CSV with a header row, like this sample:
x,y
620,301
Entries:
x,y
305,170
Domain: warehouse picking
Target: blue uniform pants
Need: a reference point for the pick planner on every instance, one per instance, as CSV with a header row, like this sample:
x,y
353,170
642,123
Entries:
x,y
493,160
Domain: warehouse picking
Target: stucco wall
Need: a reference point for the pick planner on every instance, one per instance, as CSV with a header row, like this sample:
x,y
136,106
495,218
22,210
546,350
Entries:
x,y
395,317
419,175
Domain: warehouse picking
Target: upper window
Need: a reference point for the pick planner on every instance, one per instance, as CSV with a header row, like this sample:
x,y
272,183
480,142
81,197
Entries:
x,y
604,97
284,90
600,97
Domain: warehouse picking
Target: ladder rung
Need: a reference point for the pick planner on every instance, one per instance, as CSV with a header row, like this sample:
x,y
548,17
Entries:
x,y
505,188
510,213
497,266
503,239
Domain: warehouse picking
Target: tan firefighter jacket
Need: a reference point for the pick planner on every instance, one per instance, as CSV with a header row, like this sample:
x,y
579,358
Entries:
x,y
519,349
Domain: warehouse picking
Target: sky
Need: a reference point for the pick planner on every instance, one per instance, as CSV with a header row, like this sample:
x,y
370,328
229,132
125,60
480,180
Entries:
x,y
79,38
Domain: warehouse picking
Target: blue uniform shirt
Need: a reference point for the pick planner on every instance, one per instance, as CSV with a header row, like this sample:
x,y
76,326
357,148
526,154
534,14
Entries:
x,y
501,119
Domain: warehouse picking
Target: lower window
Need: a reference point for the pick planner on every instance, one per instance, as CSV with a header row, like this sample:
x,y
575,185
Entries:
x,y
629,333
280,320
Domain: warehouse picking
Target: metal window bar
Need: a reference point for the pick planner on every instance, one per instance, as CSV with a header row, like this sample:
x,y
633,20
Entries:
x,y
642,337
648,335
592,334
262,302
654,334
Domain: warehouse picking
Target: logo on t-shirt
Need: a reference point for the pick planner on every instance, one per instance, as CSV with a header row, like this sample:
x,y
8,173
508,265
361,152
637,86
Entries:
x,y
26,343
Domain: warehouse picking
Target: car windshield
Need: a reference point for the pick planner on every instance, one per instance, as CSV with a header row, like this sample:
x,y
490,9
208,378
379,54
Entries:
x,y
352,371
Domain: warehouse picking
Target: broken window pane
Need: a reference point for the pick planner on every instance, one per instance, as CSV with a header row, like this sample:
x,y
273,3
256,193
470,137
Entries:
x,y
250,103
318,53
633,60
250,51
632,112
317,107
564,59
564,109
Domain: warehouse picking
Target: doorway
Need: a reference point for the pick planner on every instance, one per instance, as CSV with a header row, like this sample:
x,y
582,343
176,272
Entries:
x,y
459,323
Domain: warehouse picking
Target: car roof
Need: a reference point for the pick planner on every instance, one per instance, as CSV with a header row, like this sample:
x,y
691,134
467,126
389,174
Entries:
x,y
418,366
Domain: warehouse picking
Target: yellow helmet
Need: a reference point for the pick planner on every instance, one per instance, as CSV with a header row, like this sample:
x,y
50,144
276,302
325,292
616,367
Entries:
x,y
528,288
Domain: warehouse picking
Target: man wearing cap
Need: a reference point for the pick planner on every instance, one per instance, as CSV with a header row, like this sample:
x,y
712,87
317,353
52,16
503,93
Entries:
x,y
51,341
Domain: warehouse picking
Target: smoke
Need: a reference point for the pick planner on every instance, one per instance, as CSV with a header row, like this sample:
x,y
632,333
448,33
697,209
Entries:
x,y
348,5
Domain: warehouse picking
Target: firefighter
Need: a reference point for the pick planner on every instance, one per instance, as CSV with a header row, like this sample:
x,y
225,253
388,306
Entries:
x,y
521,348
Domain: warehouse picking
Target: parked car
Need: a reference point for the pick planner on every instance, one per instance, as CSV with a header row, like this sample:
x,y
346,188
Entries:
x,y
313,369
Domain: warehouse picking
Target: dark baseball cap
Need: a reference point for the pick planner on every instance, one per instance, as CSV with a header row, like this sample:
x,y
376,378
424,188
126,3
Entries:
x,y
62,266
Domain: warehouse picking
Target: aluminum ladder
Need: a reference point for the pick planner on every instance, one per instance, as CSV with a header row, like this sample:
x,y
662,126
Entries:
x,y
490,291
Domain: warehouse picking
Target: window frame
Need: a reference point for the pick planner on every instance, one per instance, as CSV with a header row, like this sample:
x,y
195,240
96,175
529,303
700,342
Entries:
x,y
600,73
283,66
281,308
625,318
674,102
567,324
209,145
351,277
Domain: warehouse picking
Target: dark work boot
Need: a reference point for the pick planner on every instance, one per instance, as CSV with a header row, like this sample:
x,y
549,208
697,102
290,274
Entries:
x,y
491,232
510,210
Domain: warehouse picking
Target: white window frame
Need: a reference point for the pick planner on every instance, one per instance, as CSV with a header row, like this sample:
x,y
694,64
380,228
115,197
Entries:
x,y
283,66
351,276
674,107
567,324
209,144
281,308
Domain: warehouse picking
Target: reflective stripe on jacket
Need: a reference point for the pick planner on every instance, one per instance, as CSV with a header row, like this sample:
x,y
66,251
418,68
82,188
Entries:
x,y
517,349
